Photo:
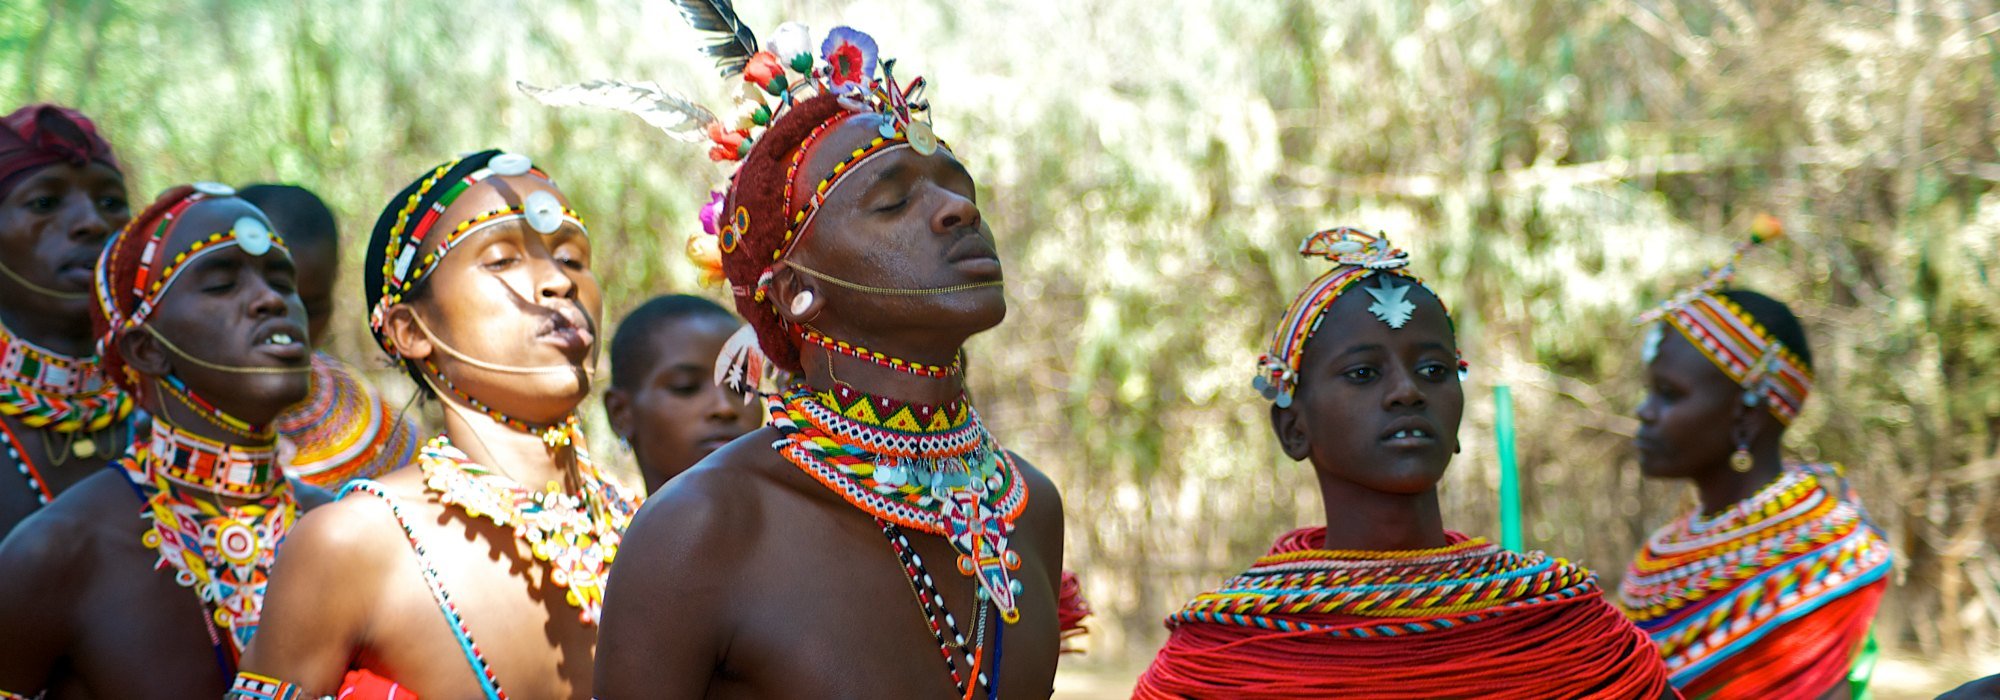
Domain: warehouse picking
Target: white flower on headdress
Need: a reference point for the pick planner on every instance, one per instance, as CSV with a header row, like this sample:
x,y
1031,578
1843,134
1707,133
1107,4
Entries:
x,y
792,40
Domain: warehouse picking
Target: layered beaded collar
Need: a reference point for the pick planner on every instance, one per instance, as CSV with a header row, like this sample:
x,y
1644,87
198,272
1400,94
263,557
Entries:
x,y
45,389
576,533
934,469
1465,581
1704,587
222,552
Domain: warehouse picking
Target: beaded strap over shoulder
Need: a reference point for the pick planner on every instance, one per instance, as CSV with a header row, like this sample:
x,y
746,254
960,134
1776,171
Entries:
x,y
488,684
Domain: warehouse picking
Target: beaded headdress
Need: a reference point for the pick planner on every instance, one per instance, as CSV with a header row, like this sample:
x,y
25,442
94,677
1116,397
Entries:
x,y
793,95
136,270
1769,372
1357,256
393,271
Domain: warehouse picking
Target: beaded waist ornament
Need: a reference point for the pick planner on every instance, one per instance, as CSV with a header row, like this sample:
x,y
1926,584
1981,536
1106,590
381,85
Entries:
x,y
1357,256
1769,372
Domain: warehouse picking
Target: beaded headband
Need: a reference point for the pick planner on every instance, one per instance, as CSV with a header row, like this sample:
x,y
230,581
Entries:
x,y
777,78
1742,348
155,273
1357,256
402,271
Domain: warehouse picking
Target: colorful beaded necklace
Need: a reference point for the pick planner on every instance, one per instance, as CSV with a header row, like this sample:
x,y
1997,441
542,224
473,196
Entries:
x,y
1424,590
576,534
221,552
932,469
19,455
559,434
55,392
812,335
1703,586
342,431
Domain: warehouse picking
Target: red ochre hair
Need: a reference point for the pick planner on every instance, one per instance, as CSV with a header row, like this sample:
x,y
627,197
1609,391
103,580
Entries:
x,y
117,266
759,188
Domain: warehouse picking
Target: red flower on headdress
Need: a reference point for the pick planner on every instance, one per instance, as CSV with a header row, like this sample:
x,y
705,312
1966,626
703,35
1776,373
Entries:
x,y
851,55
729,144
762,68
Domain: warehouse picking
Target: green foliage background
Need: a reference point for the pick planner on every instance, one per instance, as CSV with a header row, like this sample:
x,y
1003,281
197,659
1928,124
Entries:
x,y
1553,165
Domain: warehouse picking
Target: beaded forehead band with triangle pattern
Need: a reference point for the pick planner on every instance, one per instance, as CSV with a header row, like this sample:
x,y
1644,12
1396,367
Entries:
x,y
1729,337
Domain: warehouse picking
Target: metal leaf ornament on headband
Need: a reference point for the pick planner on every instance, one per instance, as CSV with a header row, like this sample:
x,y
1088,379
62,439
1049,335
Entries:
x,y
1770,373
1357,256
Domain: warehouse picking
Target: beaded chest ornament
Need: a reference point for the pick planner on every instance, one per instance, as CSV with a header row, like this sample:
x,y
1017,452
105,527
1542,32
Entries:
x,y
576,534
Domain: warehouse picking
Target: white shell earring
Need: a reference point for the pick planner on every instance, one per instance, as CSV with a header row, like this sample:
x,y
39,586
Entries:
x,y
802,302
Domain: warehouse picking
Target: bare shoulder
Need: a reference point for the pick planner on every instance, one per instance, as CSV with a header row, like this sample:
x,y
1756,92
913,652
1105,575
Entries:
x,y
1045,505
356,533
704,511
47,558
63,536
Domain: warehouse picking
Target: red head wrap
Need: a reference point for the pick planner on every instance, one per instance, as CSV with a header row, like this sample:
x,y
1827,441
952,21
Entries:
x,y
758,206
41,135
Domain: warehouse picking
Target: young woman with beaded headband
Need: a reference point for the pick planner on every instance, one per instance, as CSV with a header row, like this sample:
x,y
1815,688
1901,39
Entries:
x,y
1767,589
854,248
1383,601
61,196
148,580
479,570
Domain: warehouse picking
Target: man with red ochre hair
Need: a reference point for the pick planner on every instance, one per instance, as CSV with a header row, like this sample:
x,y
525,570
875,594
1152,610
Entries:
x,y
61,196
854,246
147,579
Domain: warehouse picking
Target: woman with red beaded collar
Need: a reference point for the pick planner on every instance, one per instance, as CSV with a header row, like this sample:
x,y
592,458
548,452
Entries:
x,y
147,580
874,540
61,196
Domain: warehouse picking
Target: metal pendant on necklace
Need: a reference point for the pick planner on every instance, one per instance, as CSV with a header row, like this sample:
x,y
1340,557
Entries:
x,y
84,447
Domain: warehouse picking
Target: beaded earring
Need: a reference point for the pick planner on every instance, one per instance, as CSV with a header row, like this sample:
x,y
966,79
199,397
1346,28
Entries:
x,y
1740,461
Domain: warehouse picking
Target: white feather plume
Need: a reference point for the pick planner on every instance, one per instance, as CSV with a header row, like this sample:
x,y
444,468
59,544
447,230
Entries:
x,y
680,117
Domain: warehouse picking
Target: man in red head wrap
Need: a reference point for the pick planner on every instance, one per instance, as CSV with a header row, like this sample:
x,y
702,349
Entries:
x,y
147,579
874,539
61,195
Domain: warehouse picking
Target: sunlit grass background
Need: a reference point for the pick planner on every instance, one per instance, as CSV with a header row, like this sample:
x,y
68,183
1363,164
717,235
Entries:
x,y
1553,165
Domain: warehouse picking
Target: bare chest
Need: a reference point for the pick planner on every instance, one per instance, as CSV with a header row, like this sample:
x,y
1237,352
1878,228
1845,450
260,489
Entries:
x,y
835,609
502,607
138,633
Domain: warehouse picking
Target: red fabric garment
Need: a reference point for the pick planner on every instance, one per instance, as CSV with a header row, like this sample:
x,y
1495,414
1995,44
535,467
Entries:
x,y
1802,659
365,685
1071,608
1567,644
44,134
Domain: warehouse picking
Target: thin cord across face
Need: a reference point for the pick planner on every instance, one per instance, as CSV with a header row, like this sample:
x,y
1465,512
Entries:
x,y
39,289
489,366
886,291
183,354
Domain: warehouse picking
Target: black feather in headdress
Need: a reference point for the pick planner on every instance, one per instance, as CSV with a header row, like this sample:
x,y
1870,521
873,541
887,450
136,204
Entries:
x,y
718,16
